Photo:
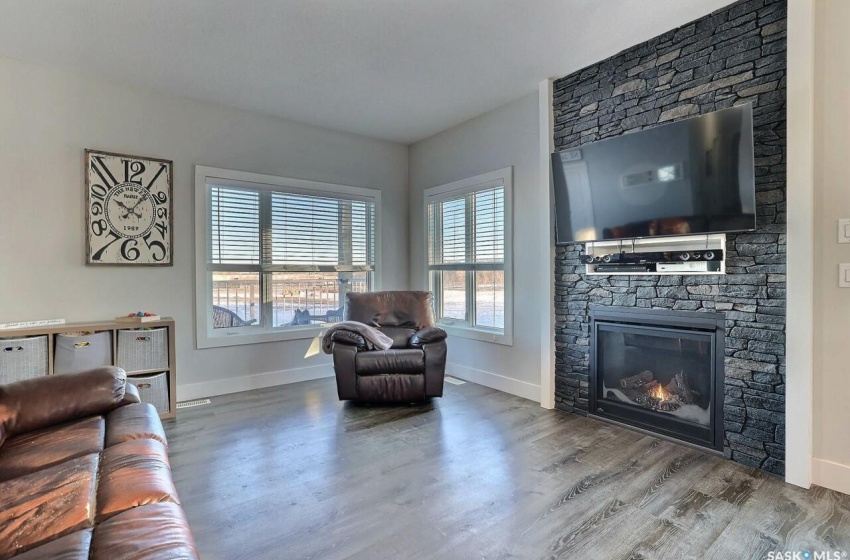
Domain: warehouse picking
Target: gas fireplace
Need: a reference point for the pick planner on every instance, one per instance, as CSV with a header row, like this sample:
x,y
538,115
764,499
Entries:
x,y
660,371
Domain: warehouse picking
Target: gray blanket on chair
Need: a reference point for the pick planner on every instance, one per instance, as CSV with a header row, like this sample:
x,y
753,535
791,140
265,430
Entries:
x,y
374,338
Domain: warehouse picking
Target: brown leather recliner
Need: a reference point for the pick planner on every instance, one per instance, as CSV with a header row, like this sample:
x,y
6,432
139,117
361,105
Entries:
x,y
412,370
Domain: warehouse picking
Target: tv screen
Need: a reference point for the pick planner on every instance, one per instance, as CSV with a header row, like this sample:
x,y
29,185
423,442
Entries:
x,y
693,176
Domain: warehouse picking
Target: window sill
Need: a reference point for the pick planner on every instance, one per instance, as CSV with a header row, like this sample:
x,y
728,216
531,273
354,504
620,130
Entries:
x,y
254,335
505,339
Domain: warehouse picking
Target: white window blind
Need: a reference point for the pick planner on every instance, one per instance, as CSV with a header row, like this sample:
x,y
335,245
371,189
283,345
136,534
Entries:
x,y
489,246
234,226
289,232
467,231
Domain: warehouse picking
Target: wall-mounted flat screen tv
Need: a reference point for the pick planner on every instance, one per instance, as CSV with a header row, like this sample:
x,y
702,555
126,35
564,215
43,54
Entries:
x,y
694,176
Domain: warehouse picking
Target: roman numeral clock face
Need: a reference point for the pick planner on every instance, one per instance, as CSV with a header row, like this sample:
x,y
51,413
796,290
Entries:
x,y
128,201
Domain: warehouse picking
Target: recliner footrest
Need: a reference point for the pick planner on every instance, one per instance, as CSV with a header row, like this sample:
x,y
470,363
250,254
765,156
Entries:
x,y
391,388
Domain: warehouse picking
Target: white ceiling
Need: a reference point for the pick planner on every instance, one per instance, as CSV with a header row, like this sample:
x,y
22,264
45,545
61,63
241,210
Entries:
x,y
399,70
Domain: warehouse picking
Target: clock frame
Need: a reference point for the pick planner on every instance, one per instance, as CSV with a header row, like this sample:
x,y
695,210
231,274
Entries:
x,y
128,209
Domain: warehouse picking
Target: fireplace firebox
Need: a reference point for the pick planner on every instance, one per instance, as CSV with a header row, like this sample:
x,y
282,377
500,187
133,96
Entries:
x,y
660,371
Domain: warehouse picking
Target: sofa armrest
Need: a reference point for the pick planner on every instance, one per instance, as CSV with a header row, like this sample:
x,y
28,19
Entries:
x,y
40,402
426,336
348,337
131,395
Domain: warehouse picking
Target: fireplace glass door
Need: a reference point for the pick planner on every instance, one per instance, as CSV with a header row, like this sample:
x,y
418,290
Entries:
x,y
661,370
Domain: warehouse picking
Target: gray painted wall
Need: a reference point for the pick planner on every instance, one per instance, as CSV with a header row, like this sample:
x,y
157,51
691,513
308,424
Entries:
x,y
507,136
832,202
48,117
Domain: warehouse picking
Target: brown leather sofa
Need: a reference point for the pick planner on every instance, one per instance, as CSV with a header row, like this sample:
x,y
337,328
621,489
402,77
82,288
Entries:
x,y
84,472
412,370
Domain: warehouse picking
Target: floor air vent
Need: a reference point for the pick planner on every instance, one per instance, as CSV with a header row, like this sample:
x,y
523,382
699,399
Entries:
x,y
454,380
196,402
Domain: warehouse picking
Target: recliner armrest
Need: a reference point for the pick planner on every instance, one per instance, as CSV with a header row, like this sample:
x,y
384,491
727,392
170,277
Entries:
x,y
426,336
350,338
345,367
54,399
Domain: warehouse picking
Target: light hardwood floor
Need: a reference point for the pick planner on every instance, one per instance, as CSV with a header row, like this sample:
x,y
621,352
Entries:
x,y
291,473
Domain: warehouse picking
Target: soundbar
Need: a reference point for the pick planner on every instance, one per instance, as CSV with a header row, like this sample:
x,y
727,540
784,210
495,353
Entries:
x,y
624,258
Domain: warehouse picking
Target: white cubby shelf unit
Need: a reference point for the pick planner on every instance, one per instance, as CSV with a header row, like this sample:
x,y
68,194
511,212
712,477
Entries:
x,y
678,244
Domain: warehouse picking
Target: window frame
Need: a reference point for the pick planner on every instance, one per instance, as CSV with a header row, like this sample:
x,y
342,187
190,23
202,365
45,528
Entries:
x,y
206,336
500,177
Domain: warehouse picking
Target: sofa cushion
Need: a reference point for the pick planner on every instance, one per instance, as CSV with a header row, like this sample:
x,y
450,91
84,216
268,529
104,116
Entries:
x,y
47,504
134,421
389,361
33,451
133,473
151,532
70,547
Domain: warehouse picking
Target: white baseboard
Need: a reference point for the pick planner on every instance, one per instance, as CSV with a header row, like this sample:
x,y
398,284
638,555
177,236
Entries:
x,y
516,387
216,387
834,476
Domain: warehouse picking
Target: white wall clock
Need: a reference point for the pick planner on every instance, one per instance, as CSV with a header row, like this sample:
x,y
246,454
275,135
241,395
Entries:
x,y
128,209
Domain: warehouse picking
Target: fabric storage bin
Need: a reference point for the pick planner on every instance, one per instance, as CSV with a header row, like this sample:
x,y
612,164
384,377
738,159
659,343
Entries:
x,y
22,358
79,353
142,349
153,389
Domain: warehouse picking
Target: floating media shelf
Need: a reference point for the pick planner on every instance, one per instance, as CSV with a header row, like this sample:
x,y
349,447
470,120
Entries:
x,y
689,243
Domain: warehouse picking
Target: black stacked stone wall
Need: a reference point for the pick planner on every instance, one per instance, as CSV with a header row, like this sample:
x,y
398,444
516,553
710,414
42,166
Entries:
x,y
735,55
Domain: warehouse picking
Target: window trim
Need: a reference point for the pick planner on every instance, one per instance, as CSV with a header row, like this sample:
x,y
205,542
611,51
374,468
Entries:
x,y
205,336
500,177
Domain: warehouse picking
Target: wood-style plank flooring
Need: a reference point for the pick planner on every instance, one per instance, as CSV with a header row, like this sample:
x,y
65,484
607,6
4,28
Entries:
x,y
291,473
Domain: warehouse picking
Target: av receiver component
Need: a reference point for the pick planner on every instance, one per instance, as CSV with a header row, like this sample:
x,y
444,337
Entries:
x,y
604,267
689,266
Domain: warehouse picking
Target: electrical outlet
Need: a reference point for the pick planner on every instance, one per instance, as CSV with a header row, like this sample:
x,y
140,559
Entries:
x,y
844,230
844,275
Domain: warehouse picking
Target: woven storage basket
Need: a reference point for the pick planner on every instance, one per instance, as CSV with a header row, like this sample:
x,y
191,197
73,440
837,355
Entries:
x,y
80,353
142,349
22,358
153,389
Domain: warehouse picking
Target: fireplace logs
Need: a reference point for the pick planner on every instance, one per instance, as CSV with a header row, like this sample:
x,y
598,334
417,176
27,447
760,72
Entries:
x,y
642,378
679,386
643,389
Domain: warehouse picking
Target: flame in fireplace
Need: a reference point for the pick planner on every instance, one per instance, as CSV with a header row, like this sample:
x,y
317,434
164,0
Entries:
x,y
659,393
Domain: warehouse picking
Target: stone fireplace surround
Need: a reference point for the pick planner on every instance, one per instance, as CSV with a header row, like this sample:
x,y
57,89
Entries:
x,y
734,55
